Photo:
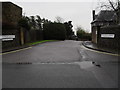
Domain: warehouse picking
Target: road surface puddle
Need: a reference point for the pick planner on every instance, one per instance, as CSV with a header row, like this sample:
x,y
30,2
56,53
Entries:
x,y
85,64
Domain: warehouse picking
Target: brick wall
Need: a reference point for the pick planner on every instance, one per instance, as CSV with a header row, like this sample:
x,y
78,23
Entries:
x,y
11,43
94,35
11,14
109,42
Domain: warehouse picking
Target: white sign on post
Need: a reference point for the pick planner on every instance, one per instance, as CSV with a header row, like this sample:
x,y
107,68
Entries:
x,y
7,37
107,35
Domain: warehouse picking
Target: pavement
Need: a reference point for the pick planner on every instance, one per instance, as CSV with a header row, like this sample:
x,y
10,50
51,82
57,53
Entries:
x,y
93,46
63,64
14,48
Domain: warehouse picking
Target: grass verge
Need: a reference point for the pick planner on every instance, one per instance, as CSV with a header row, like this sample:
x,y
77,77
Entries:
x,y
42,41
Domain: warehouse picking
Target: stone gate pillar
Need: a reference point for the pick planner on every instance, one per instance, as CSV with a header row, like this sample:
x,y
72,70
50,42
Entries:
x,y
22,36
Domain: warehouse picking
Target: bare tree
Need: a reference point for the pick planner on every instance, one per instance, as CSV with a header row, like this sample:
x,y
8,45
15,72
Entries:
x,y
33,22
116,7
112,5
59,19
39,21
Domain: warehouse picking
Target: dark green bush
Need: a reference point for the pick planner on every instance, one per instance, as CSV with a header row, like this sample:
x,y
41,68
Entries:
x,y
54,31
24,23
81,34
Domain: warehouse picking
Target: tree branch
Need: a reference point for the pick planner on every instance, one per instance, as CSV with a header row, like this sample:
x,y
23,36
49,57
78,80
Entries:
x,y
112,5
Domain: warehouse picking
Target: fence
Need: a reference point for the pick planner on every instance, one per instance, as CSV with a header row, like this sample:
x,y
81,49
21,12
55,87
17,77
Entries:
x,y
32,36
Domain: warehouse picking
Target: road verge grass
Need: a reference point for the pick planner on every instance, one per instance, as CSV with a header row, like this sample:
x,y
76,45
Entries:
x,y
42,41
26,45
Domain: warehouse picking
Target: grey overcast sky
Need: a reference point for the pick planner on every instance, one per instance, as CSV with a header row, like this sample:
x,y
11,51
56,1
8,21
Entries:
x,y
80,13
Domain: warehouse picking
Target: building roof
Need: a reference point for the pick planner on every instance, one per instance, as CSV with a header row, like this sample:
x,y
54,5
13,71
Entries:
x,y
105,15
5,2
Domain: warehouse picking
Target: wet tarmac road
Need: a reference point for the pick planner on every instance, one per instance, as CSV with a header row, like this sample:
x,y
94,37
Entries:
x,y
64,64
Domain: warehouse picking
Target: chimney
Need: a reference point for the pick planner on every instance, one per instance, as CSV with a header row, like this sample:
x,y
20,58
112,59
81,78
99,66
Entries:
x,y
93,12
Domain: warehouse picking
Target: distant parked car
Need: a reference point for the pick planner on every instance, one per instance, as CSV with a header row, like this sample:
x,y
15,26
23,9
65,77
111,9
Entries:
x,y
74,37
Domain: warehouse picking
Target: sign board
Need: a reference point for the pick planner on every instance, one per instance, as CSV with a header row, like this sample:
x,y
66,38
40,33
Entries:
x,y
107,35
7,37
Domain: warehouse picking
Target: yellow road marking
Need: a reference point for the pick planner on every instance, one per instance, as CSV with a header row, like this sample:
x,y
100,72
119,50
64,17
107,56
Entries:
x,y
101,52
15,51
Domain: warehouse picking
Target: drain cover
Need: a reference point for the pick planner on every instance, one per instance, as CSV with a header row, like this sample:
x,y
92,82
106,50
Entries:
x,y
24,63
